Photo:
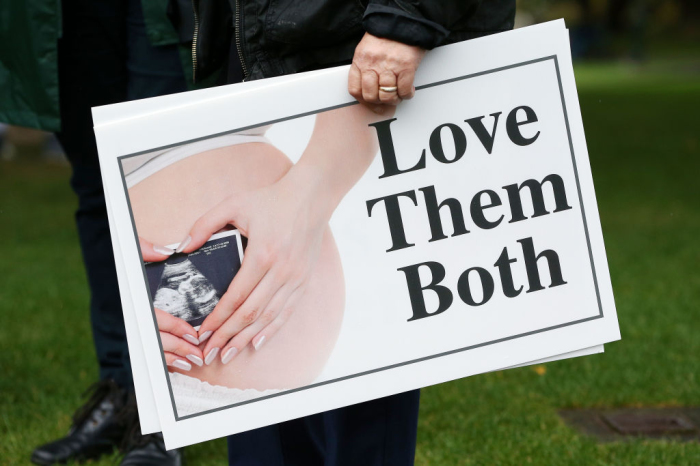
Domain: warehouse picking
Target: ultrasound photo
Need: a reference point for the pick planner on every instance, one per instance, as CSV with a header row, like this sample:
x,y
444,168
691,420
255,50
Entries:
x,y
189,286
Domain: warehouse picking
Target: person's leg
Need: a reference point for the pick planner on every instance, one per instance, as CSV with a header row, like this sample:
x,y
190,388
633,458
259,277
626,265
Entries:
x,y
296,442
92,72
93,55
378,432
105,57
256,447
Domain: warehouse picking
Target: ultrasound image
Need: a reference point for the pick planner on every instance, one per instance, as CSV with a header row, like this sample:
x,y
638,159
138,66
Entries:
x,y
185,293
189,286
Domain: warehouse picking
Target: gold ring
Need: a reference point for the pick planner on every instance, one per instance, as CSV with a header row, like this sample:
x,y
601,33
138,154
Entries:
x,y
388,88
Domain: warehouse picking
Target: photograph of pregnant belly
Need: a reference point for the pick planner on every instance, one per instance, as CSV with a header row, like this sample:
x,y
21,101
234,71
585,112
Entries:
x,y
275,325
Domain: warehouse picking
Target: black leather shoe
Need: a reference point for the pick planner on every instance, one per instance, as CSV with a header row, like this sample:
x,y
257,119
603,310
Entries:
x,y
96,428
149,450
144,450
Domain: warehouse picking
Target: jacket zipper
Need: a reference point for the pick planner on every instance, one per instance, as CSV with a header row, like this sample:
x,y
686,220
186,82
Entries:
x,y
194,41
238,39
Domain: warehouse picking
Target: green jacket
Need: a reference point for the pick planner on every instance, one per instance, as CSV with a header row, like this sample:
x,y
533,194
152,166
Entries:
x,y
29,30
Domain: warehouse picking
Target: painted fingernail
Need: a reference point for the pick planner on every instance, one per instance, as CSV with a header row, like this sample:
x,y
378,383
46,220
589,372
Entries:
x,y
210,357
257,344
163,250
184,244
190,339
204,336
195,359
228,355
180,364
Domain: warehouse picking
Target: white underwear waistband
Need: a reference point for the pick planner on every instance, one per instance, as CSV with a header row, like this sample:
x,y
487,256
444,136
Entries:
x,y
140,167
193,396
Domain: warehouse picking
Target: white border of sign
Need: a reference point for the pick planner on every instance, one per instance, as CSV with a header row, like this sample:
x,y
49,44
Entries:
x,y
152,123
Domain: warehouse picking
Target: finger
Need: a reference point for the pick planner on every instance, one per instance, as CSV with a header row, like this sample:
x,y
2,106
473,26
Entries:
x,y
178,346
355,82
245,336
388,80
254,267
370,86
215,219
176,326
152,252
173,360
405,84
237,343
244,316
269,331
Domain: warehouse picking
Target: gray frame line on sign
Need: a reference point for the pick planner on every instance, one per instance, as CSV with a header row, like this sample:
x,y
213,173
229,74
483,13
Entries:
x,y
412,361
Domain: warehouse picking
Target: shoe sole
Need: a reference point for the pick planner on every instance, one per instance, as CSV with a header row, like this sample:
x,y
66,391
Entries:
x,y
78,459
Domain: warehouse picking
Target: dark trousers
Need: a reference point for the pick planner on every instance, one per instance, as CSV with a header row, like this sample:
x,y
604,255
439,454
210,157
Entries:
x,y
375,433
105,57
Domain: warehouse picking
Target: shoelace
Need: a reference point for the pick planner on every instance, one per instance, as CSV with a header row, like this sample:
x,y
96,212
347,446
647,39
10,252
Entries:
x,y
96,394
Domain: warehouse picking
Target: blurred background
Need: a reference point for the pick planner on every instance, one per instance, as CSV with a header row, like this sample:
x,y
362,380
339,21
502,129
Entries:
x,y
631,36
637,65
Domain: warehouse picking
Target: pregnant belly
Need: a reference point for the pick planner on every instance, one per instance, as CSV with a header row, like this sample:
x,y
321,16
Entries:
x,y
166,205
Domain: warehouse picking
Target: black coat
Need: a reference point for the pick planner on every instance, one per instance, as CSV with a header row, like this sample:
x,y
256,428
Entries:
x,y
276,37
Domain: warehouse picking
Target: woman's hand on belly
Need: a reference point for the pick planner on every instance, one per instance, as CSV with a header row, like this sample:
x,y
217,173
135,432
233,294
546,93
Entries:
x,y
179,341
285,223
164,213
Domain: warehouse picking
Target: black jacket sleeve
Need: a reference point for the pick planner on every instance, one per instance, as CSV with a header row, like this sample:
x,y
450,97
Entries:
x,y
425,23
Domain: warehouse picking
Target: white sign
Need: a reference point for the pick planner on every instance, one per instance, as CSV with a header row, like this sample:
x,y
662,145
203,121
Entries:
x,y
461,235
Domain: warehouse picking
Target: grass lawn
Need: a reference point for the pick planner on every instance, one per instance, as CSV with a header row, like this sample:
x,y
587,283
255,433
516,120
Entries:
x,y
643,134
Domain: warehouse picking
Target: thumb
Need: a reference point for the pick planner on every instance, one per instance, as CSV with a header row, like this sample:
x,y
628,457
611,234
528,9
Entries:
x,y
154,253
217,218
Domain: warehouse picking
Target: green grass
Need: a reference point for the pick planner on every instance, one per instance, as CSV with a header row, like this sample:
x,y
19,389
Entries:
x,y
642,131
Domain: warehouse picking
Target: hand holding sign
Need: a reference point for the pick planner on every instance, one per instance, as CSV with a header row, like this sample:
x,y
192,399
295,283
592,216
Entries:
x,y
382,71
